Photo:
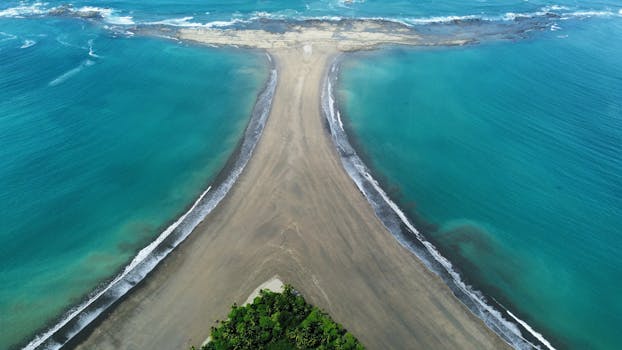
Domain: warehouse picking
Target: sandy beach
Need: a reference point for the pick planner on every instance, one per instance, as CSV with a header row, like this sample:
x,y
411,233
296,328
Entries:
x,y
294,212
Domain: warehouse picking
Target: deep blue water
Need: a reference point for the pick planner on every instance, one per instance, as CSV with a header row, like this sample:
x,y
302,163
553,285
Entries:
x,y
506,154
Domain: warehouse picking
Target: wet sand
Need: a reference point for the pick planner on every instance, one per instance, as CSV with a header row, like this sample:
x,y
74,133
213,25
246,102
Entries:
x,y
294,213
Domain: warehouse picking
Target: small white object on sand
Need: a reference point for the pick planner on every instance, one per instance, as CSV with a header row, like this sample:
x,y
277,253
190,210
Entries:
x,y
274,285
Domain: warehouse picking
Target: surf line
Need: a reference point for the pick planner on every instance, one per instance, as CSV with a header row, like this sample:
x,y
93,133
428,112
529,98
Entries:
x,y
80,316
394,219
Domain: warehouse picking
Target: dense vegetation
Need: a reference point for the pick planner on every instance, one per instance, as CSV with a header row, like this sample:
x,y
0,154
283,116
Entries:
x,y
280,321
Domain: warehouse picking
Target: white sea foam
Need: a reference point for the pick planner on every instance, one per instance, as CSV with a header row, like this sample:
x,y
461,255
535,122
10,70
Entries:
x,y
288,15
39,8
28,43
120,20
264,14
224,23
587,14
91,50
280,15
531,330
7,36
555,8
440,19
552,10
108,15
546,11
186,22
510,16
177,22
70,73
348,3
24,10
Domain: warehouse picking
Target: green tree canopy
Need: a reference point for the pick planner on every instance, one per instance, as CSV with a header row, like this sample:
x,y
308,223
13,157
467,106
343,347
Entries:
x,y
280,321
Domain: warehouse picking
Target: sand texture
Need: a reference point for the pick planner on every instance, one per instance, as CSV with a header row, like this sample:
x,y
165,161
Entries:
x,y
347,36
295,213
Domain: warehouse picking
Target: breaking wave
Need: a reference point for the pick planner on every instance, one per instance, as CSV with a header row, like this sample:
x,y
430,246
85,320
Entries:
x,y
28,43
39,9
70,73
115,17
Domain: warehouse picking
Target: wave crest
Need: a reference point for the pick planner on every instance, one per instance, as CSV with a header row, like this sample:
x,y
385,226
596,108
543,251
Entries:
x,y
114,17
34,9
70,73
28,43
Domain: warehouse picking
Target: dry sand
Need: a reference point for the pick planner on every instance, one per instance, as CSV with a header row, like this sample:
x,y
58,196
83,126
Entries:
x,y
274,285
295,213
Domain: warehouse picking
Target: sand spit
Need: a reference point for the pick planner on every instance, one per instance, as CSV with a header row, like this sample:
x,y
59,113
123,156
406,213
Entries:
x,y
295,213
342,36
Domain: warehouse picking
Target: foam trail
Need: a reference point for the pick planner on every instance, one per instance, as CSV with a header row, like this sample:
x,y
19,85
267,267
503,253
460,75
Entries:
x,y
107,14
441,19
63,77
394,219
221,24
111,16
91,51
28,43
186,22
542,14
531,330
59,39
7,36
149,257
23,10
176,22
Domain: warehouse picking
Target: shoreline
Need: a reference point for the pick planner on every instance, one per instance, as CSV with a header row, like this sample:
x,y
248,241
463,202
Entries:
x,y
72,322
512,329
300,216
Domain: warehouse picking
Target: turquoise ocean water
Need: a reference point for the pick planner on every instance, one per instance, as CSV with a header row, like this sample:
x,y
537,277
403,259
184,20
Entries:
x,y
103,141
505,154
508,157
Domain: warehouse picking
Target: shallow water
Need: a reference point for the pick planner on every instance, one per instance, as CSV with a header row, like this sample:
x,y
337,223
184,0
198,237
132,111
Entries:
x,y
103,141
507,156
